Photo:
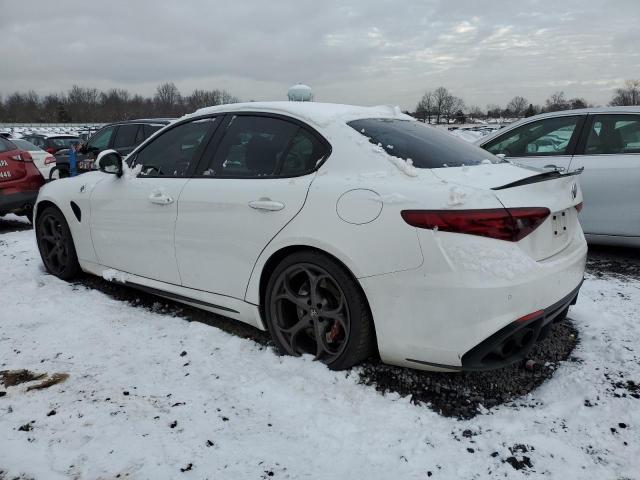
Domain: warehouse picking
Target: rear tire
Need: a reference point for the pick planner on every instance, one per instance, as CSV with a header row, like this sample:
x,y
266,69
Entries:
x,y
313,305
56,244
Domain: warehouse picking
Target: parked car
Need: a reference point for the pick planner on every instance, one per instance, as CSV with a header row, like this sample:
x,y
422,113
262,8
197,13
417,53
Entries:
x,y
603,141
120,136
51,143
342,230
20,180
44,161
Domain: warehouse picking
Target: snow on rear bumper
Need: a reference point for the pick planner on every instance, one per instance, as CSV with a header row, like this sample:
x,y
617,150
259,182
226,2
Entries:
x,y
468,289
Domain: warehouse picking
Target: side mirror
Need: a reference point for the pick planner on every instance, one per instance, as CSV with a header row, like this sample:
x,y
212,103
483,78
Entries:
x,y
110,161
501,156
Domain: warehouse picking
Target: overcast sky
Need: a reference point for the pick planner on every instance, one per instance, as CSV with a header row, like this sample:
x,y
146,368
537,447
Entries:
x,y
370,52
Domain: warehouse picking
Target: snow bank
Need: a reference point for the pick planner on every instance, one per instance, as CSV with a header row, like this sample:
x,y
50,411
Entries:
x,y
150,395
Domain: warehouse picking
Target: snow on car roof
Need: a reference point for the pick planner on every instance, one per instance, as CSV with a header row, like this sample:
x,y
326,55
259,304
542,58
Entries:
x,y
53,135
321,114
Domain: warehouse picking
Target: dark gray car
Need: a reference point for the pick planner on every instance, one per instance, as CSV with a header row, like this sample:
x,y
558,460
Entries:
x,y
121,136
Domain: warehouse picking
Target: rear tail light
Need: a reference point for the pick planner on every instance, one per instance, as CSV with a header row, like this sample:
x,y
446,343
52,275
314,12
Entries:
x,y
579,207
22,157
49,160
512,224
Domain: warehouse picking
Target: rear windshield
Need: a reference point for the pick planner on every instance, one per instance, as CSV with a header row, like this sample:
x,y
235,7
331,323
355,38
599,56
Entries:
x,y
6,145
62,142
24,145
427,147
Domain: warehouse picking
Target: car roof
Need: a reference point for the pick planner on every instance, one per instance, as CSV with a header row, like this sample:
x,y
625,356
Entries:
x,y
583,111
51,135
320,114
163,121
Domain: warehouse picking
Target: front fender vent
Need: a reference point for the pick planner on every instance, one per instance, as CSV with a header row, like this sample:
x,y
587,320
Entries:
x,y
76,211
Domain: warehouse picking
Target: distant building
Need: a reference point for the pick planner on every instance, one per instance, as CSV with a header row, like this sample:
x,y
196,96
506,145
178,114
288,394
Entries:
x,y
300,93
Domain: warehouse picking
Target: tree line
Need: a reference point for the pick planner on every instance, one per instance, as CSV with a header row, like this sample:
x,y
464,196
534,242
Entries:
x,y
82,104
441,106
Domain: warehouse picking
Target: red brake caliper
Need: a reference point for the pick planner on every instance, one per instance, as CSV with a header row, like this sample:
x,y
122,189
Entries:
x,y
334,333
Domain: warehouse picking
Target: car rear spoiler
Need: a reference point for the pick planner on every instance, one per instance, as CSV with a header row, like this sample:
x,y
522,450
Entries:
x,y
541,177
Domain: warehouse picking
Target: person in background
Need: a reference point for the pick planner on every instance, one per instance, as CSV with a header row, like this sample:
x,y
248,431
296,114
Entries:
x,y
73,159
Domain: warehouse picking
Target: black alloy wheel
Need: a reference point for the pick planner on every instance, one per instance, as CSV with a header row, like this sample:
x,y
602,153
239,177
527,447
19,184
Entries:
x,y
314,306
56,244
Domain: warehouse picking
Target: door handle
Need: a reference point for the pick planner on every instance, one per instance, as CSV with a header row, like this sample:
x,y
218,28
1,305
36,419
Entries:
x,y
160,198
266,204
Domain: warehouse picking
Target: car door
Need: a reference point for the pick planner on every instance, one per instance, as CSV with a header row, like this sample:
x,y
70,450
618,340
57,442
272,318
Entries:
x,y
610,154
99,141
133,217
249,185
544,143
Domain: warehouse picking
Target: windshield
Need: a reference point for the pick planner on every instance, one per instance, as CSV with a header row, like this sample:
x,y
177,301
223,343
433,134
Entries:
x,y
427,147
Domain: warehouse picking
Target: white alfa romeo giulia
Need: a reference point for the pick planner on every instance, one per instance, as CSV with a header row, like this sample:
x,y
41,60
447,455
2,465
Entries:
x,y
342,230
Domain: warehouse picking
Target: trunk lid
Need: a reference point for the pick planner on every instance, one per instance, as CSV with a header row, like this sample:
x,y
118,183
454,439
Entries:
x,y
11,166
515,186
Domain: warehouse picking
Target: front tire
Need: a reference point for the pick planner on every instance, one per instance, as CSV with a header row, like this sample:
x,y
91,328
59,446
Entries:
x,y
57,173
56,244
313,305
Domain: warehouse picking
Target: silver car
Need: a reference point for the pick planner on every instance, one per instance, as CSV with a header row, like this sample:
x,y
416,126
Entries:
x,y
606,142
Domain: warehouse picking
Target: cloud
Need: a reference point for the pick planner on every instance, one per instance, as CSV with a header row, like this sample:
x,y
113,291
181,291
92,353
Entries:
x,y
366,52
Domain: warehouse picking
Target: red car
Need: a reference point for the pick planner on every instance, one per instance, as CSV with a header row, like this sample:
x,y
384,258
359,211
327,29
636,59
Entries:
x,y
20,180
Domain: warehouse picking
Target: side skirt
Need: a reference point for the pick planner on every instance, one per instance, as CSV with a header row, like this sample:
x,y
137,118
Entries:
x,y
220,304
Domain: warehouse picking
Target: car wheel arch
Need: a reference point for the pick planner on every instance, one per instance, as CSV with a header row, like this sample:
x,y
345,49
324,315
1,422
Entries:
x,y
279,255
41,206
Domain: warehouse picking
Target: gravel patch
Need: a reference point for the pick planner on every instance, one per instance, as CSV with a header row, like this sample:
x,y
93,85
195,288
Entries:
x,y
466,394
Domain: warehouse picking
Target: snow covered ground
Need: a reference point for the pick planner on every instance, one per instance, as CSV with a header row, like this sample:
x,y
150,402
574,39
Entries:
x,y
150,395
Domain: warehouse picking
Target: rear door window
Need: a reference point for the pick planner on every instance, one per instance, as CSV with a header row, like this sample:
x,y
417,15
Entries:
x,y
425,146
262,146
613,134
125,135
546,137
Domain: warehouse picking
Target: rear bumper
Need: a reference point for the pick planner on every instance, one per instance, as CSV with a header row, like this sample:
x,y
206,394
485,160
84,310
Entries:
x,y
468,289
513,342
17,202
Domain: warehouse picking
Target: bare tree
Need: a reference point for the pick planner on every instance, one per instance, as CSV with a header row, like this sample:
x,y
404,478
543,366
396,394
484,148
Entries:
x,y
168,100
453,108
557,101
476,112
440,98
627,95
494,111
82,103
517,106
424,109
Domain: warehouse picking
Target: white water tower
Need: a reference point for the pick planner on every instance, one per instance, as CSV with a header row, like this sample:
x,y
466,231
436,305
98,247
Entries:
x,y
300,93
